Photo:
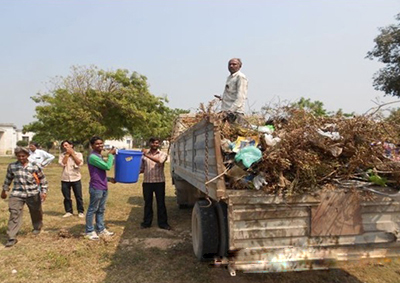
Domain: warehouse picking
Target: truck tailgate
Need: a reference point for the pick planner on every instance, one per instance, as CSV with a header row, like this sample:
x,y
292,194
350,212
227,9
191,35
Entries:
x,y
269,234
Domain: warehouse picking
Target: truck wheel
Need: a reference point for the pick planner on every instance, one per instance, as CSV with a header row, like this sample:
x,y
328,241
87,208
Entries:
x,y
205,235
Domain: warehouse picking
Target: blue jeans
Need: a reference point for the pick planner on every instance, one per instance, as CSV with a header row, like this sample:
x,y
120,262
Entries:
x,y
97,206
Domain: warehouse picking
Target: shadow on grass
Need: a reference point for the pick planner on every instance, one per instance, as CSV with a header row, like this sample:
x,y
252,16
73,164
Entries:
x,y
136,261
326,276
53,213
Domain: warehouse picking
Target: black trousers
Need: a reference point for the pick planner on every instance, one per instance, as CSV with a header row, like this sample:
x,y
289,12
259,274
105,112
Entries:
x,y
159,190
66,191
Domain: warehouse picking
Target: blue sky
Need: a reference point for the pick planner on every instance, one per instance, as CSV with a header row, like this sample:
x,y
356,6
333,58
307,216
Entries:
x,y
290,49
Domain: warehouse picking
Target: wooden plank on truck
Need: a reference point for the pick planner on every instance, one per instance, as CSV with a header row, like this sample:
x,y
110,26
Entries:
x,y
339,213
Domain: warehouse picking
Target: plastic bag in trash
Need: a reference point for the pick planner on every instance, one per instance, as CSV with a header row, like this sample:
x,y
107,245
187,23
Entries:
x,y
391,151
226,145
332,135
270,140
248,155
267,129
242,142
236,173
259,181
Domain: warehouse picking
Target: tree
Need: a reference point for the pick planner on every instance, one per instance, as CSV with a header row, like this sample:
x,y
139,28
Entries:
x,y
44,139
316,107
22,143
340,113
387,51
110,104
394,120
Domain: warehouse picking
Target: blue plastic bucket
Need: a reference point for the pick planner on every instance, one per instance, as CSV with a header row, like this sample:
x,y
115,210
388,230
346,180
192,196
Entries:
x,y
127,166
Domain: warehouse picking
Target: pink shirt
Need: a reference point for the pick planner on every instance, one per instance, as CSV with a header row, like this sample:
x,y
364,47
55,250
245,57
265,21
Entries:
x,y
153,171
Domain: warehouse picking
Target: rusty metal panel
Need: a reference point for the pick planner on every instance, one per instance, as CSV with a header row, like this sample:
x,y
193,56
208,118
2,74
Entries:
x,y
257,233
380,207
197,180
316,242
270,234
188,159
259,197
382,214
271,224
313,253
297,259
264,212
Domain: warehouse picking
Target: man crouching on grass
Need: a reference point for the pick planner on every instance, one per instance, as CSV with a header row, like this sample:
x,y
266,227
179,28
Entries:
x,y
98,189
30,187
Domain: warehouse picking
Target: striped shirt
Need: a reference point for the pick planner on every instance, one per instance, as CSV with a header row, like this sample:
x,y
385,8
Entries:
x,y
25,180
153,171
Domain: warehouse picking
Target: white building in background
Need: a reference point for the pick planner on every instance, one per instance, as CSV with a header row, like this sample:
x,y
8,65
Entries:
x,y
24,136
128,142
124,143
9,136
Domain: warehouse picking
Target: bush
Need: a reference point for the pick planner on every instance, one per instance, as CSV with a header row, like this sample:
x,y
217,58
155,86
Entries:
x,y
22,143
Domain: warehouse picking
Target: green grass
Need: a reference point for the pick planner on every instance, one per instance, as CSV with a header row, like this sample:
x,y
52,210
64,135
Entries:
x,y
61,254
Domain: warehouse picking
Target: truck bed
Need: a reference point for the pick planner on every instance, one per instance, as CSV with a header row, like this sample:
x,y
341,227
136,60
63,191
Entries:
x,y
270,234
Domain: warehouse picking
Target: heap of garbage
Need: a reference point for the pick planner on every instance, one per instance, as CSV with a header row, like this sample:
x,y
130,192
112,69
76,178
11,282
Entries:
x,y
297,152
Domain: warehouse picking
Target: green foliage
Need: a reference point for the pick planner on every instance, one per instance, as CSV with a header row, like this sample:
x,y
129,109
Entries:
x,y
315,107
373,177
43,137
394,116
387,51
22,143
340,113
394,120
110,104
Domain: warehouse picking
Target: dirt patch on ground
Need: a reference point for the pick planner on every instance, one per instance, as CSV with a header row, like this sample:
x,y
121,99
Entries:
x,y
160,243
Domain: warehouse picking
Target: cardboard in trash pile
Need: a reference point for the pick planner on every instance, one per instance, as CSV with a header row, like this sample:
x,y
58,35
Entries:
x,y
242,142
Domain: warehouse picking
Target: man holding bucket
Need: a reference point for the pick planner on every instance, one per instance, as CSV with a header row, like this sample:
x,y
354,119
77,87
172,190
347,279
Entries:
x,y
98,189
154,182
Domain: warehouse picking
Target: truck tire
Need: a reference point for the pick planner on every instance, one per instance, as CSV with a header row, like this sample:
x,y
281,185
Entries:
x,y
205,235
221,209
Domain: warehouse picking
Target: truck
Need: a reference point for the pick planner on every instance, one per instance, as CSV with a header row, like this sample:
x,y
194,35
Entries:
x,y
251,231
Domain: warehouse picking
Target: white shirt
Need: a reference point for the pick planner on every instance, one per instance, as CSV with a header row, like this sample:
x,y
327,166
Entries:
x,y
235,93
40,157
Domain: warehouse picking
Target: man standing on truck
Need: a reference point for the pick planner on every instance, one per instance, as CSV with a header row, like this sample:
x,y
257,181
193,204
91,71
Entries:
x,y
235,93
154,182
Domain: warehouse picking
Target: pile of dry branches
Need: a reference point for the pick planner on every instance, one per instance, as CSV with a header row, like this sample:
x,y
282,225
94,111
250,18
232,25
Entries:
x,y
318,151
314,152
